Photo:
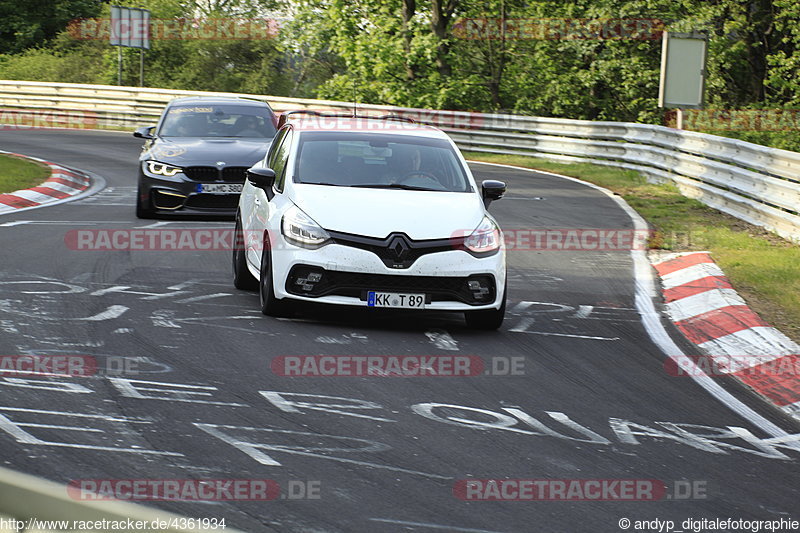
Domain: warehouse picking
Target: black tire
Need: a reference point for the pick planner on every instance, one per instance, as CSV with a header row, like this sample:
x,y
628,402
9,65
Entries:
x,y
270,305
143,211
242,278
486,319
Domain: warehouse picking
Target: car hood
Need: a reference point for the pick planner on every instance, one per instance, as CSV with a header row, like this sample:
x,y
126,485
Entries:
x,y
379,212
185,151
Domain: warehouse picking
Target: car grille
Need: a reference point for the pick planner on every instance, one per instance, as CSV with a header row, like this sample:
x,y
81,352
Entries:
x,y
304,280
229,174
219,201
397,250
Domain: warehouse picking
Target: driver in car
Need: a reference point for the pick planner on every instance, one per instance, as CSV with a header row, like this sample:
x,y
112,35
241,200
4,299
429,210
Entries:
x,y
246,126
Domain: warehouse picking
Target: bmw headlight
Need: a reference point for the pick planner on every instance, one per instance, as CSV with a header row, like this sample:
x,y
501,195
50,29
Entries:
x,y
300,229
162,169
485,239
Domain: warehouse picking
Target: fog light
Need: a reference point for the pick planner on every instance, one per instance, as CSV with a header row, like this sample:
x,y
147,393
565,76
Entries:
x,y
479,291
307,283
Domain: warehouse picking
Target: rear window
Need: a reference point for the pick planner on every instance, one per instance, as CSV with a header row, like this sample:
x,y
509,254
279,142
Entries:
x,y
363,160
218,121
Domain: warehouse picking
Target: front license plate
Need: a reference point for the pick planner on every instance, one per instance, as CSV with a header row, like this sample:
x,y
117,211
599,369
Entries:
x,y
220,188
395,299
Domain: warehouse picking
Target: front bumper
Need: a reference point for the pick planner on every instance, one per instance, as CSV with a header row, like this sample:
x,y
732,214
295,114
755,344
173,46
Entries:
x,y
180,195
346,274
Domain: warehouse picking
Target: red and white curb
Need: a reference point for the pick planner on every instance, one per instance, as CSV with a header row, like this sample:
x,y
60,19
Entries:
x,y
63,184
710,313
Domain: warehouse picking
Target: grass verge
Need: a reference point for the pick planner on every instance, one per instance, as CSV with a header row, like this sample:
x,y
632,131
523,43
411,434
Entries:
x,y
17,173
764,268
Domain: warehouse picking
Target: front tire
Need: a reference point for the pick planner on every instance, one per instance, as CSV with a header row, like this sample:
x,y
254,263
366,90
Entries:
x,y
142,211
270,305
242,278
487,319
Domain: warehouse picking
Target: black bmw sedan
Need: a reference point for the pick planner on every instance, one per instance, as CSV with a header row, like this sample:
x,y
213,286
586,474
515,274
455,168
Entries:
x,y
195,160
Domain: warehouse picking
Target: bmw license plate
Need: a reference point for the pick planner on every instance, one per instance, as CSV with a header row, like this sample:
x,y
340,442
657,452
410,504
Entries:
x,y
220,188
395,299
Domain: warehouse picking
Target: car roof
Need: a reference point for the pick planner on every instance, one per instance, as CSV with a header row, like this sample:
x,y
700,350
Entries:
x,y
219,100
365,124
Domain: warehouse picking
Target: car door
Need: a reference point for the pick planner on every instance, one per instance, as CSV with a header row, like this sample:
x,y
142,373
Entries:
x,y
262,217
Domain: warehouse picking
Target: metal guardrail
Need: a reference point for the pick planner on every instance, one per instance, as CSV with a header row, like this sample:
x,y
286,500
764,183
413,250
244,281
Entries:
x,y
758,184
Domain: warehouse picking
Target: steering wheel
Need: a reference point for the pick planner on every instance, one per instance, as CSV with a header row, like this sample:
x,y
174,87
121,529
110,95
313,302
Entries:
x,y
409,175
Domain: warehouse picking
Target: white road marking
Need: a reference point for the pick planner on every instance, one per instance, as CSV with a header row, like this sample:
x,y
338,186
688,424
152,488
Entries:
x,y
15,429
203,297
114,311
254,449
433,526
651,319
523,325
174,392
583,311
442,340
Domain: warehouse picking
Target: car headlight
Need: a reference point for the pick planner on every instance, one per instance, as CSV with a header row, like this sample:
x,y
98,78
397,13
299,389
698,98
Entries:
x,y
300,229
162,169
485,239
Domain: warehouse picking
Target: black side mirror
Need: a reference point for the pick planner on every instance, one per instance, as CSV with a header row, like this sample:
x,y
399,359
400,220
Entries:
x,y
145,132
492,190
263,178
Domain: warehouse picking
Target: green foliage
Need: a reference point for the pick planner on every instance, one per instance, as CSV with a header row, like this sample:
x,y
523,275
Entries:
x,y
417,53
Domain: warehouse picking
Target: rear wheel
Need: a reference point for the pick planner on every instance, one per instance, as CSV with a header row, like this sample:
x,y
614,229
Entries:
x,y
142,210
487,319
242,278
270,305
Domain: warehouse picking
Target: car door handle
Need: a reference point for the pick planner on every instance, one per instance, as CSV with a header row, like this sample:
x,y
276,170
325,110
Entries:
x,y
257,201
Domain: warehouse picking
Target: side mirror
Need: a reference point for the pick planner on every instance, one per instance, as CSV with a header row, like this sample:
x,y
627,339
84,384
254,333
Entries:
x,y
492,190
261,177
145,132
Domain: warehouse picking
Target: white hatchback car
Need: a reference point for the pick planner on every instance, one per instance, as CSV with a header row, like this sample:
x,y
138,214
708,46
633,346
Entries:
x,y
370,212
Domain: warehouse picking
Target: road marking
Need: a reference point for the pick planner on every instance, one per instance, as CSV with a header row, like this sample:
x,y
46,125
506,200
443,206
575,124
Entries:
x,y
523,325
583,311
15,429
442,340
315,442
114,311
433,526
550,334
179,392
203,297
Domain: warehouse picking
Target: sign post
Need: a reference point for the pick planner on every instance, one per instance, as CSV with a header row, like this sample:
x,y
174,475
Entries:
x,y
130,28
683,72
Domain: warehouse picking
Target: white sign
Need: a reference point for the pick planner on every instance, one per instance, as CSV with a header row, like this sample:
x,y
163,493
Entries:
x,y
130,27
683,70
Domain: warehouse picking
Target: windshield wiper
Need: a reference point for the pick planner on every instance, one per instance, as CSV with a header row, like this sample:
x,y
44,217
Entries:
x,y
394,186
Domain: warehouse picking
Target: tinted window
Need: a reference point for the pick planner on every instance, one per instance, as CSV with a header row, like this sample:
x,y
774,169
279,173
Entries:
x,y
280,160
363,160
218,121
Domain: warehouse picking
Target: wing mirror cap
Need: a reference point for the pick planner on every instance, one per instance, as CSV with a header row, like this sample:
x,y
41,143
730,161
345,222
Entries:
x,y
492,190
145,132
261,177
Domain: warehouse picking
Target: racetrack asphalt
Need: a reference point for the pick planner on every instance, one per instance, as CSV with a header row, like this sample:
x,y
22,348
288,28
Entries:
x,y
387,455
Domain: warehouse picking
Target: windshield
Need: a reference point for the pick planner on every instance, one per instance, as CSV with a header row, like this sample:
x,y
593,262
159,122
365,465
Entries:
x,y
385,161
218,121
